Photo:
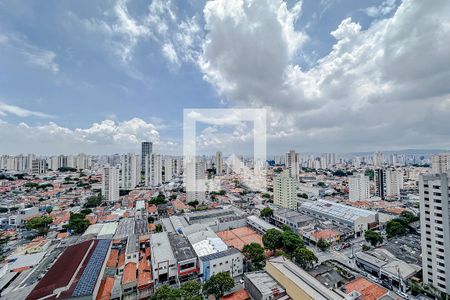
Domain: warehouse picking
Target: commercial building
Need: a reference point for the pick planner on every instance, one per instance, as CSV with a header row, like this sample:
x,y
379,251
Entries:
x,y
291,218
355,219
230,260
359,187
110,184
163,260
299,285
261,286
435,229
185,257
382,264
259,225
380,183
76,274
285,190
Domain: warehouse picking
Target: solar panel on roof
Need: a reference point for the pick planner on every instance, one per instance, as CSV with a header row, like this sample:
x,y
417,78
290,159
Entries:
x,y
88,279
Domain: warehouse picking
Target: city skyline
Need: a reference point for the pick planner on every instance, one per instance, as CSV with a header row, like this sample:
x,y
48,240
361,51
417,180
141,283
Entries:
x,y
103,78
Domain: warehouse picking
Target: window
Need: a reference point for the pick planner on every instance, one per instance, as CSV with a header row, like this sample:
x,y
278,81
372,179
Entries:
x,y
187,266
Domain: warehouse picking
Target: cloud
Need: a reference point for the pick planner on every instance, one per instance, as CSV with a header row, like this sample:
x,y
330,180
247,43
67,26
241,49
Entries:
x,y
385,8
170,54
6,109
381,86
33,55
104,137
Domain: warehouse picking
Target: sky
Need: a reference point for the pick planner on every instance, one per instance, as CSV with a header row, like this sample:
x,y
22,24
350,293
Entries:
x,y
333,75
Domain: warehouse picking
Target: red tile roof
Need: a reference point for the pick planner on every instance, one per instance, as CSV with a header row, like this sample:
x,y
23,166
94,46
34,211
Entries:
x,y
129,273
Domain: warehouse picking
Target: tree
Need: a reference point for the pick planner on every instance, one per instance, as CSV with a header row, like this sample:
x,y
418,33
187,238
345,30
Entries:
x,y
39,223
49,209
78,223
272,239
395,227
160,199
284,227
193,203
159,228
218,284
191,290
291,241
302,195
254,254
266,195
374,238
305,257
409,217
323,244
3,210
266,212
93,201
166,292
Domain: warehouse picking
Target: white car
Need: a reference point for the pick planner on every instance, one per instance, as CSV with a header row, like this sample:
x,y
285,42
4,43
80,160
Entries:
x,y
403,295
241,281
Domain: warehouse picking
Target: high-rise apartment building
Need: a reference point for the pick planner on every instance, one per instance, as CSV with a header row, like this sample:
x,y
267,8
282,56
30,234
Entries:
x,y
292,163
440,163
388,183
359,187
153,170
394,183
380,183
196,189
131,171
146,150
168,168
434,192
285,190
219,163
378,159
110,184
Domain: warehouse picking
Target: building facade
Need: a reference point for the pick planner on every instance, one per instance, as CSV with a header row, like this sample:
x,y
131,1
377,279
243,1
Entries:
x,y
435,230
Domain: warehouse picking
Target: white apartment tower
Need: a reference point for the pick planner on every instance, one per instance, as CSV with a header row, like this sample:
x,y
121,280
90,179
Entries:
x,y
440,163
359,187
285,191
196,189
131,171
435,229
219,163
378,159
394,183
153,170
168,168
110,184
292,163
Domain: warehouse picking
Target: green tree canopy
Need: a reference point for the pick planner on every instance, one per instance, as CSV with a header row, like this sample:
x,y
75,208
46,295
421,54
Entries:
x,y
40,223
191,290
78,223
305,257
372,237
272,239
323,244
160,199
218,284
166,292
93,201
291,241
266,212
395,227
254,254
